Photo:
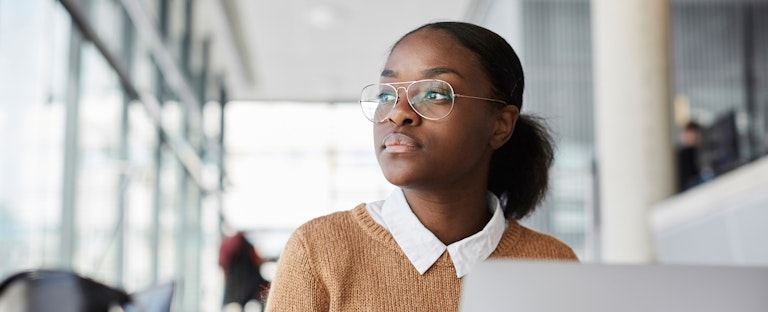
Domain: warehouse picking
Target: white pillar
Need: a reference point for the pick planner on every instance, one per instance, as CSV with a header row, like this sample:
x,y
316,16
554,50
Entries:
x,y
632,121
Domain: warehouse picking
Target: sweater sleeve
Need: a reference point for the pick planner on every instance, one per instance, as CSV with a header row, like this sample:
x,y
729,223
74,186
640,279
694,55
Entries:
x,y
296,285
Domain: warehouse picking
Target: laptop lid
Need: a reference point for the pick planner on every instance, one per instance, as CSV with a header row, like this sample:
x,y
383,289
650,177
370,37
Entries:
x,y
505,285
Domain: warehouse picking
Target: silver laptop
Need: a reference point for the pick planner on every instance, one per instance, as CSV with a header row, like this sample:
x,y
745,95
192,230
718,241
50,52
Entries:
x,y
505,285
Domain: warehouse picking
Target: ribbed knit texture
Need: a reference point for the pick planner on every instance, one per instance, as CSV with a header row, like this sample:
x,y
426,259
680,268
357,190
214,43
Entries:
x,y
347,262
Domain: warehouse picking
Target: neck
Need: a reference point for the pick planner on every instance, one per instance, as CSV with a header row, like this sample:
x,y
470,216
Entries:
x,y
451,216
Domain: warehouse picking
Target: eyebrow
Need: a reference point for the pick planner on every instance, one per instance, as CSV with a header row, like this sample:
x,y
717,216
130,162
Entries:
x,y
428,73
388,73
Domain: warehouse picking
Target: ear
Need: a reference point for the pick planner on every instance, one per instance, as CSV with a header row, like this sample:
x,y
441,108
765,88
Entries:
x,y
504,126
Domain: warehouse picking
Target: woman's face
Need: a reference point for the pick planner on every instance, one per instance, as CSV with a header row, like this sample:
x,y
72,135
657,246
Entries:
x,y
414,152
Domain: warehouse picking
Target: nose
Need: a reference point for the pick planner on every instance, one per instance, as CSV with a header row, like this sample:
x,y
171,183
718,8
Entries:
x,y
402,113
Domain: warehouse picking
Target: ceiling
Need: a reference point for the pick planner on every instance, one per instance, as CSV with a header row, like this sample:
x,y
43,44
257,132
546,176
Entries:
x,y
304,50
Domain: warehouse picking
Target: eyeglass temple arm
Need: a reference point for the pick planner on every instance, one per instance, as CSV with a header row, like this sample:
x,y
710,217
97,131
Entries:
x,y
480,98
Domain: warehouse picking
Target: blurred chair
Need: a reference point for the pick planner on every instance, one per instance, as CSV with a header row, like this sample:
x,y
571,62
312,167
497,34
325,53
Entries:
x,y
64,291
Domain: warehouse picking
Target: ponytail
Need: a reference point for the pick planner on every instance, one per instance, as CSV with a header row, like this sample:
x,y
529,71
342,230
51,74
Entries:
x,y
519,172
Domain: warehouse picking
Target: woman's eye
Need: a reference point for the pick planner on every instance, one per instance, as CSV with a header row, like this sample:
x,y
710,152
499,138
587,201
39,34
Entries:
x,y
385,97
434,95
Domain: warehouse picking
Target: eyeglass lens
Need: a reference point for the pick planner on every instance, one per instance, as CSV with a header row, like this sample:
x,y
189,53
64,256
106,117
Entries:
x,y
431,99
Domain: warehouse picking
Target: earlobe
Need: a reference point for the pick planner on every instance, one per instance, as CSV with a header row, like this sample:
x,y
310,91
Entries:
x,y
505,125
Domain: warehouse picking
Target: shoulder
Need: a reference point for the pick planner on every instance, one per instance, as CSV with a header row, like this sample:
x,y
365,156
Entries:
x,y
521,242
314,239
330,222
326,229
333,242
341,227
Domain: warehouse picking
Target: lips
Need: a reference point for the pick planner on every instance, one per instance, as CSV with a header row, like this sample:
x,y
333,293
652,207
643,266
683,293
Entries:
x,y
399,143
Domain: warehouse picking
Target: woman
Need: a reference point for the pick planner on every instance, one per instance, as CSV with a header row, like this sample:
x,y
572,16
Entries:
x,y
448,132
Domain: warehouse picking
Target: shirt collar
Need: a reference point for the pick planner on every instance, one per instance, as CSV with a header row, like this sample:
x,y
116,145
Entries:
x,y
423,248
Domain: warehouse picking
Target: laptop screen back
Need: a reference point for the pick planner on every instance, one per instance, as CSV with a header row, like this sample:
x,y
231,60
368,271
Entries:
x,y
504,285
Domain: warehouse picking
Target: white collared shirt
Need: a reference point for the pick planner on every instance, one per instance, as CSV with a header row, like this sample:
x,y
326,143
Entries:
x,y
423,248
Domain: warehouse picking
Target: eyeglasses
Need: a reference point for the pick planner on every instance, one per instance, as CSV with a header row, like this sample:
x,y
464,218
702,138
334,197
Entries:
x,y
430,98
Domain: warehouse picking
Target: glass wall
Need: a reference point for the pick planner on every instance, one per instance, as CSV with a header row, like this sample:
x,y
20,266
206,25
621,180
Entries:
x,y
34,53
103,153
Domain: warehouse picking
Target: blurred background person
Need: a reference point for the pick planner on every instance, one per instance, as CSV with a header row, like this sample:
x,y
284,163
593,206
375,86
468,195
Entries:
x,y
688,166
241,265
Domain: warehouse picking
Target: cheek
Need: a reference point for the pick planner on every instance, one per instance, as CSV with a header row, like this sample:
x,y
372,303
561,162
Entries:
x,y
474,132
378,135
470,145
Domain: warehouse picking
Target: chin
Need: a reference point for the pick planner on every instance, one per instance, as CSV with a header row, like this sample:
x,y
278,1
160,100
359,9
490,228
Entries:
x,y
395,179
403,179
402,171
398,178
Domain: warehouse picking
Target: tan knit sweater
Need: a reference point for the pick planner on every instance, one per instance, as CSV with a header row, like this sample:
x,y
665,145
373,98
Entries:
x,y
347,262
